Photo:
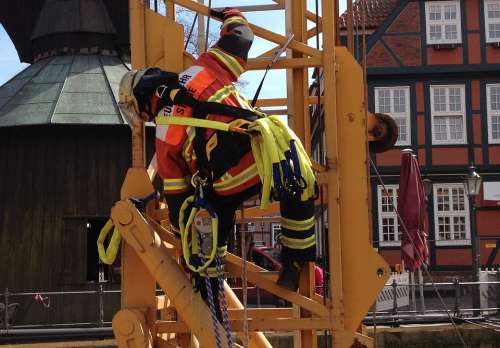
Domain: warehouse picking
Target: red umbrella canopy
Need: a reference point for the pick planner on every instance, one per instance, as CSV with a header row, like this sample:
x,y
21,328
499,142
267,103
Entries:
x,y
412,207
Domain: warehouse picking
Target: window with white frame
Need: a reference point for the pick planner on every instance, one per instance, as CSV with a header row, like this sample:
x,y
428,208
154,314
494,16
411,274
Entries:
x,y
395,101
443,22
448,114
493,110
388,224
451,214
492,20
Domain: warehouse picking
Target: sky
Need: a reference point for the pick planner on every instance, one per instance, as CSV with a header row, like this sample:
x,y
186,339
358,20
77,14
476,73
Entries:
x,y
9,60
274,87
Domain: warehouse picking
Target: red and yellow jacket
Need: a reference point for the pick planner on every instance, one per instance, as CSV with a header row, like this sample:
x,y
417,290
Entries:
x,y
211,78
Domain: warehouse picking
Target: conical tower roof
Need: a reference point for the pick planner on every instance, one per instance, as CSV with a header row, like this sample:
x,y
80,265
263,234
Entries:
x,y
62,16
30,22
73,26
72,89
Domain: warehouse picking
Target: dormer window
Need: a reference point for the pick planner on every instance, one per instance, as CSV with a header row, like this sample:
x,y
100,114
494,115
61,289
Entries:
x,y
443,22
492,21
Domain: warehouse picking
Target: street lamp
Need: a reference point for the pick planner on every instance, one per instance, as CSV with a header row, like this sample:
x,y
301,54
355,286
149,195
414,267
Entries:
x,y
472,182
472,186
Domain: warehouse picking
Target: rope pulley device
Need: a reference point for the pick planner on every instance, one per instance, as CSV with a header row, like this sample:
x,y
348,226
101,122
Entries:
x,y
191,250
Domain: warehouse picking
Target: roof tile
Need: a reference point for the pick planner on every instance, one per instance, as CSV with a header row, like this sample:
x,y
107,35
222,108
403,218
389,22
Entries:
x,y
74,89
376,12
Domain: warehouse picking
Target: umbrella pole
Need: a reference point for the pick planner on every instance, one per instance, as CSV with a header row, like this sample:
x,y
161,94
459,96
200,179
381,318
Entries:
x,y
413,298
421,287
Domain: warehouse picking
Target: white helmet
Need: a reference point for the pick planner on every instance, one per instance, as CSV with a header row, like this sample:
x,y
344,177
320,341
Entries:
x,y
127,101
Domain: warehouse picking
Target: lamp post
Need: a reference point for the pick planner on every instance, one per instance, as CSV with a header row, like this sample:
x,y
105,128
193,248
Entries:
x,y
427,186
472,186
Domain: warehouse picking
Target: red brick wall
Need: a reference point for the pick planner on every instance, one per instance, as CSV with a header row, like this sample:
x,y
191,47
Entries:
x,y
444,56
392,257
407,21
449,156
478,156
419,87
406,48
421,130
422,161
486,247
380,57
456,257
472,12
389,158
492,54
476,128
474,40
494,154
488,222
476,95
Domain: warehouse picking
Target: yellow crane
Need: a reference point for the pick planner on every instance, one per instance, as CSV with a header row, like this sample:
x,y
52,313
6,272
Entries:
x,y
150,252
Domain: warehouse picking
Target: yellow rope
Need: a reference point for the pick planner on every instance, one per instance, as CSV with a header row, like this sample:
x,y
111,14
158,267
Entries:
x,y
192,122
108,255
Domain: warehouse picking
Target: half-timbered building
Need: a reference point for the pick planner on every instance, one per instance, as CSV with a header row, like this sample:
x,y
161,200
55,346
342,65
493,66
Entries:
x,y
434,66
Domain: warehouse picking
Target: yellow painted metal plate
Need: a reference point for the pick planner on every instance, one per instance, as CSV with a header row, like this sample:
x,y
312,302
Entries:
x,y
364,272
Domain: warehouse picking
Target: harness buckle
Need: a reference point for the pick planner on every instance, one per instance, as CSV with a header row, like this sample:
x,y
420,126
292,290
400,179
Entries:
x,y
198,183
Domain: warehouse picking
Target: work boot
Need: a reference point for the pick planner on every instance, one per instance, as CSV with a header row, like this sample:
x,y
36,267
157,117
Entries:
x,y
290,275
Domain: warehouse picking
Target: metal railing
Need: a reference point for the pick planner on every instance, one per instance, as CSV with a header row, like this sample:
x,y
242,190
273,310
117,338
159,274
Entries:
x,y
45,298
426,306
457,296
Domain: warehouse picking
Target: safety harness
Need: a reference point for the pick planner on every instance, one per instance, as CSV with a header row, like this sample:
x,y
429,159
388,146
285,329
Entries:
x,y
282,163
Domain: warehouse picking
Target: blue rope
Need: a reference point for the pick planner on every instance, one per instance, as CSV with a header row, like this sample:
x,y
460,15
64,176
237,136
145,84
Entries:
x,y
278,184
295,159
213,312
202,203
222,299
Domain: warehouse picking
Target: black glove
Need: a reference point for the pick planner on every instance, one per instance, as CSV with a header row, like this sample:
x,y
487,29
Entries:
x,y
225,13
217,13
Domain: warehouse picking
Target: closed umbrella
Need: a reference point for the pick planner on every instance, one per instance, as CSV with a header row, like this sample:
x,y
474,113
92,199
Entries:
x,y
412,207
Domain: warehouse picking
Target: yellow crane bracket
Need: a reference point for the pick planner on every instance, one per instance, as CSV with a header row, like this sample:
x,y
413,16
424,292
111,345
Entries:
x,y
108,255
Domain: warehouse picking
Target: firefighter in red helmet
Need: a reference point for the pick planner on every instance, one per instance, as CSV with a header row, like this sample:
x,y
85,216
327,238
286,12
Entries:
x,y
207,90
